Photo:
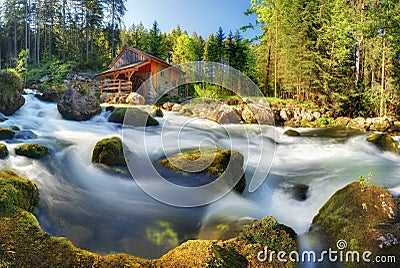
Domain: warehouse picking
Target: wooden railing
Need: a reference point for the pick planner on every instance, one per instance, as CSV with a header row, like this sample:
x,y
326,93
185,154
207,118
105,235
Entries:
x,y
115,86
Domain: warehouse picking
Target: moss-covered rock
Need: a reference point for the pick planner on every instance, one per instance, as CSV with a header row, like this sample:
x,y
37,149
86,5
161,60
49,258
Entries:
x,y
268,234
10,92
3,151
109,152
292,133
363,216
16,193
384,142
6,134
135,117
32,150
211,161
202,253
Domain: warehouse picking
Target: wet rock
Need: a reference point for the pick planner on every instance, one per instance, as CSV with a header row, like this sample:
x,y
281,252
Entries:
x,y
364,217
210,161
6,134
299,192
78,104
109,152
135,117
384,142
3,151
51,95
110,109
33,150
292,133
25,135
10,92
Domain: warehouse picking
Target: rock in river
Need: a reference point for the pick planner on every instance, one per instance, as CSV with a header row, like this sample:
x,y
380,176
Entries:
x,y
211,161
109,152
365,217
384,142
78,104
10,92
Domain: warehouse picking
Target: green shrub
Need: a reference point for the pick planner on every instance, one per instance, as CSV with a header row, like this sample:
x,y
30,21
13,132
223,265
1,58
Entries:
x,y
10,80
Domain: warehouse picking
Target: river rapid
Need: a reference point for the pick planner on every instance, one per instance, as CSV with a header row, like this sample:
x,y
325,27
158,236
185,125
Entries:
x,y
104,210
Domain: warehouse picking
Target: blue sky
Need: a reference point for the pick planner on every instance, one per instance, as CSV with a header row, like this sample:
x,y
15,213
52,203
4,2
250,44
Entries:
x,y
202,16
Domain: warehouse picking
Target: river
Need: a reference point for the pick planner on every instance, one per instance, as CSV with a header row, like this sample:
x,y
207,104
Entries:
x,y
105,211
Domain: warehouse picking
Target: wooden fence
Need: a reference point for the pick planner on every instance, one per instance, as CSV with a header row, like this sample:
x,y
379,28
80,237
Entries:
x,y
115,86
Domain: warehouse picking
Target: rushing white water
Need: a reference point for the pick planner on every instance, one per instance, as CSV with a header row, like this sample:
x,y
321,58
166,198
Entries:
x,y
105,211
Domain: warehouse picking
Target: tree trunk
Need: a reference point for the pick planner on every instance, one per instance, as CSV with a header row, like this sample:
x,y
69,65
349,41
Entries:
x,y
381,109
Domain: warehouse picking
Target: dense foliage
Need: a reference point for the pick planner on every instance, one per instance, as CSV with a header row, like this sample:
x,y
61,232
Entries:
x,y
343,55
339,53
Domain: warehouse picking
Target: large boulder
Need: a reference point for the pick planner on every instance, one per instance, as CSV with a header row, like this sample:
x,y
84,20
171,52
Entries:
x,y
78,104
33,150
258,114
135,99
363,218
224,114
135,117
109,152
10,92
384,142
210,161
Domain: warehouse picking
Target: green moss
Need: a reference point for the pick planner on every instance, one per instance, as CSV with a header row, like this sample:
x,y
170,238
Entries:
x,y
33,150
135,117
24,244
384,142
3,151
16,193
109,152
202,253
10,80
6,134
362,216
211,161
